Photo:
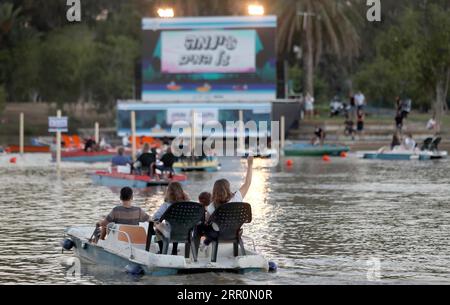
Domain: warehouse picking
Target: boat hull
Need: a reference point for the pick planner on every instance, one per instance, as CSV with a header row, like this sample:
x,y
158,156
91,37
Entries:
x,y
86,157
128,255
406,156
201,166
28,149
134,181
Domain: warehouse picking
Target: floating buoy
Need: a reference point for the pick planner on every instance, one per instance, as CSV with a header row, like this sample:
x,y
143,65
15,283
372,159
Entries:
x,y
13,160
273,267
289,162
67,244
134,269
344,154
326,158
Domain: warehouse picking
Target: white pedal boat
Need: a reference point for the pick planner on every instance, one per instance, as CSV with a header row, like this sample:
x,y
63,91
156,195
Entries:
x,y
124,247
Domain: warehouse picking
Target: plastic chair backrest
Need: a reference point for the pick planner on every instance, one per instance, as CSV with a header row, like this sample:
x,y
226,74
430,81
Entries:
x,y
137,234
230,217
183,217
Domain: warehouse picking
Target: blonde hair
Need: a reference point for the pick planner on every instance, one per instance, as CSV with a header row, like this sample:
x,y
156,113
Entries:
x,y
175,193
221,192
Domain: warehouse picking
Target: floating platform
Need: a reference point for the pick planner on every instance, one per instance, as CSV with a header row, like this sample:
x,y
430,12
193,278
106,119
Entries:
x,y
309,150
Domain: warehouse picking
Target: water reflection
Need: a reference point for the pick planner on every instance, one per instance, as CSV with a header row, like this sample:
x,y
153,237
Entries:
x,y
319,221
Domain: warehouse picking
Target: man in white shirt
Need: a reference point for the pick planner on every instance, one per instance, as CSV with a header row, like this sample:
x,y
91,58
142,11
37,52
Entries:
x,y
360,100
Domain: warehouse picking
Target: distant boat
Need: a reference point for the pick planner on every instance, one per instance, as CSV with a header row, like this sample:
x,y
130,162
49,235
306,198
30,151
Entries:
x,y
80,155
28,149
309,150
204,88
403,155
187,165
136,181
173,87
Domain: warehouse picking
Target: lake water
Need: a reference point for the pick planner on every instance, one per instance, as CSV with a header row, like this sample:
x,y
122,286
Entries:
x,y
322,223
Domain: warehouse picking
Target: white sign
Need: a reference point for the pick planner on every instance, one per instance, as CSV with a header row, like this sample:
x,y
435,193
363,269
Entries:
x,y
218,51
56,124
185,115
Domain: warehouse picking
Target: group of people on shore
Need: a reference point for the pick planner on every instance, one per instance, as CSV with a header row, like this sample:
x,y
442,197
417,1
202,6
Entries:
x,y
221,194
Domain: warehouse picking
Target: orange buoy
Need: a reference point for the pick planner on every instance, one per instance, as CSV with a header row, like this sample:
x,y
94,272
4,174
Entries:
x,y
326,158
289,162
344,154
13,160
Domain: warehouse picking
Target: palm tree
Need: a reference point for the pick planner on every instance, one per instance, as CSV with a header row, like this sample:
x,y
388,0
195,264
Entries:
x,y
8,16
319,26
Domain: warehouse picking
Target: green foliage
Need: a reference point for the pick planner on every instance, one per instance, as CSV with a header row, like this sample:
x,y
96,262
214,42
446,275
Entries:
x,y
411,57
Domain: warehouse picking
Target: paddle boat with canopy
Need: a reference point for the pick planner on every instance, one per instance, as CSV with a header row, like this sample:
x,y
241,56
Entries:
x,y
134,248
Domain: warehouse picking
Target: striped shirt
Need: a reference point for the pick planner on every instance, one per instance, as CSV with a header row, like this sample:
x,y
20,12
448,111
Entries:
x,y
127,216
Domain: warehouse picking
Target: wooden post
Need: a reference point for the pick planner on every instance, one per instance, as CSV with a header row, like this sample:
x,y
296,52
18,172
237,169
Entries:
x,y
241,130
21,136
193,134
58,144
282,131
133,135
97,133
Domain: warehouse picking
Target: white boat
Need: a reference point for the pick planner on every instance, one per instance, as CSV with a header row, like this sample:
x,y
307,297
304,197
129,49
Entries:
x,y
428,151
128,247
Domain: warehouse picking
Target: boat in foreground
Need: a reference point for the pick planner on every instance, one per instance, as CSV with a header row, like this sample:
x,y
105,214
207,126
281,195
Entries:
x,y
125,248
116,179
309,150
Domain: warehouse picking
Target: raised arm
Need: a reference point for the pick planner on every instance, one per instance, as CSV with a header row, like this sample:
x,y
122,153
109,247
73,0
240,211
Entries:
x,y
248,177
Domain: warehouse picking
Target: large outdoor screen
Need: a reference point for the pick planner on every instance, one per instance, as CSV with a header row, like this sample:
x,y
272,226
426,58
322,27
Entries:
x,y
209,59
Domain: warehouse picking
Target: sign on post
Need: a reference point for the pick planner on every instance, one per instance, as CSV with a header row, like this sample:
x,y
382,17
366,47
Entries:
x,y
57,124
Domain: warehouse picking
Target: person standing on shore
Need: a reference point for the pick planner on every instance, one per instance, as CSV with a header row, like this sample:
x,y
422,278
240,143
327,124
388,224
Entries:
x,y
309,105
360,100
360,122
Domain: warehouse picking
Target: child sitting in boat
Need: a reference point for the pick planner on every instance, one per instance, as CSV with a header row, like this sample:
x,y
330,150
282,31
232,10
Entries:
x,y
222,194
125,213
174,194
205,199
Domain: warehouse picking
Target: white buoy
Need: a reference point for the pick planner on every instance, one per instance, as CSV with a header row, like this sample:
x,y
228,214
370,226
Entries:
x,y
22,135
133,135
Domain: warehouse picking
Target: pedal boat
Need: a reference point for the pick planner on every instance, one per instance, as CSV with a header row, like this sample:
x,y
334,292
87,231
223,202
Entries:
x,y
403,155
308,150
198,166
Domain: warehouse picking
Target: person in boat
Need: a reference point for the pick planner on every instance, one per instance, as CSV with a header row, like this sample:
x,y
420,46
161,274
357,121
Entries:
x,y
319,136
222,194
120,159
89,145
146,160
396,140
174,194
125,214
205,199
168,159
409,143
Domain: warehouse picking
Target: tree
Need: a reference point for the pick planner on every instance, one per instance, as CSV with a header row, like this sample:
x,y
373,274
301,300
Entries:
x,y
319,26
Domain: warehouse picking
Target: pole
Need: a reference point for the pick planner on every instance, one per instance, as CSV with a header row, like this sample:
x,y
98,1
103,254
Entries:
x,y
133,135
97,133
58,144
193,134
21,136
282,131
241,130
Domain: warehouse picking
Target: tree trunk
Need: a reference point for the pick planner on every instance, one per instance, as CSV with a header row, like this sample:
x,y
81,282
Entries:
x,y
439,106
308,58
